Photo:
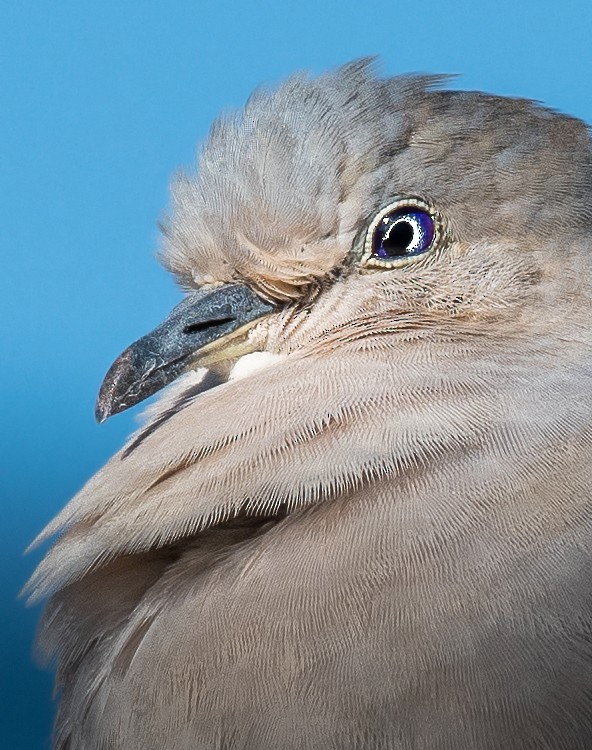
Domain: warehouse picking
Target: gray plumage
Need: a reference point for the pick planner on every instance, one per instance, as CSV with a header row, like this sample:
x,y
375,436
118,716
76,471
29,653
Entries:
x,y
383,538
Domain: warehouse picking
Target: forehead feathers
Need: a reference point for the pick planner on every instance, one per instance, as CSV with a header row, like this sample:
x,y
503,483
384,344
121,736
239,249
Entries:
x,y
272,198
283,188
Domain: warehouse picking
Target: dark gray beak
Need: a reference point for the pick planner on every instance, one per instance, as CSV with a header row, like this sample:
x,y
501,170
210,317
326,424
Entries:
x,y
198,330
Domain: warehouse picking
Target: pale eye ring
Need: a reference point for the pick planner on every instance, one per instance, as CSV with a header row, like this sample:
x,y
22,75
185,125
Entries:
x,y
401,233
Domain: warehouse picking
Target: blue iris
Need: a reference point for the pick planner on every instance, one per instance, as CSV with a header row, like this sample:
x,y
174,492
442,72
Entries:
x,y
403,232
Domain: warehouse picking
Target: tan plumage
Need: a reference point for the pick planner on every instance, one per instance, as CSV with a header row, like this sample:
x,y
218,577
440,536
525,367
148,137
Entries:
x,y
383,538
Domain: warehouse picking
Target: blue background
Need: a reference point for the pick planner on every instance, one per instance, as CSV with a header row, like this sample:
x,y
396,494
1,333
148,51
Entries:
x,y
99,103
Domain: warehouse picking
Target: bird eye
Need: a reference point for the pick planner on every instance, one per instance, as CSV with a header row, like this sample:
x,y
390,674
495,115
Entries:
x,y
401,233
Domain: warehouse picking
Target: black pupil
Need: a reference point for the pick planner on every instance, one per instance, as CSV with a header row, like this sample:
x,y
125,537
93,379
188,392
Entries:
x,y
398,239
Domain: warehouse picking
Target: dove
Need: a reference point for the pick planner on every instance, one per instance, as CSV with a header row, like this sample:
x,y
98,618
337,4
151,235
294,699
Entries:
x,y
360,514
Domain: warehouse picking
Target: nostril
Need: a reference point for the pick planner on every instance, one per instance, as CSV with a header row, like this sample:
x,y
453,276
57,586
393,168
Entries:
x,y
204,325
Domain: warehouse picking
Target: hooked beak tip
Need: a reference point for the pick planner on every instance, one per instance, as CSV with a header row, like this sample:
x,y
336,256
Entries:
x,y
110,400
101,413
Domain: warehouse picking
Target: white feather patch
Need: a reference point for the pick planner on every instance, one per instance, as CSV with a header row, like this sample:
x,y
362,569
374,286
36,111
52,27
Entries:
x,y
250,363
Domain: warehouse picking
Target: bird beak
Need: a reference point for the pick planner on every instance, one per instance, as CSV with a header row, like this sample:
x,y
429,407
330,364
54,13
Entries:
x,y
208,326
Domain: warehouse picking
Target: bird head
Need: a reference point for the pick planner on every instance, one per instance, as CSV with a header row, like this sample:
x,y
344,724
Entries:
x,y
347,206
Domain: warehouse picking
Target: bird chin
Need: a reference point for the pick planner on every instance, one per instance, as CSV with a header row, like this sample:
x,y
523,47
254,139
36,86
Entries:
x,y
198,379
223,363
